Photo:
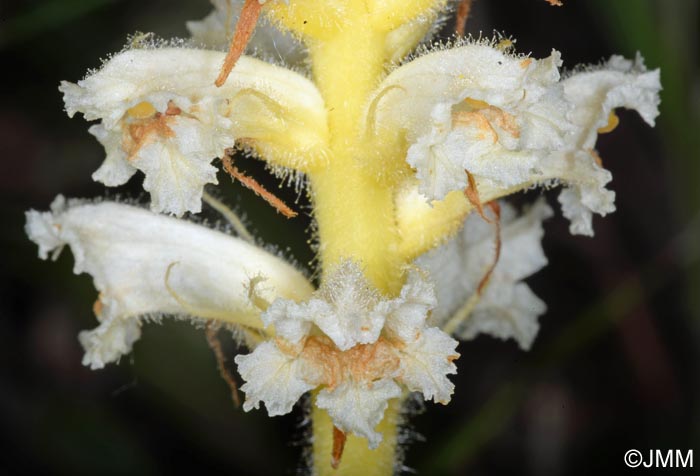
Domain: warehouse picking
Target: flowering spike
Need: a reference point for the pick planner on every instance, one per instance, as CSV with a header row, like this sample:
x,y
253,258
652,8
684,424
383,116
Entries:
x,y
394,151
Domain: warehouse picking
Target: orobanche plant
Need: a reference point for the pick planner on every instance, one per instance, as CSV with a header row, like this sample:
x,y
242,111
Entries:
x,y
405,157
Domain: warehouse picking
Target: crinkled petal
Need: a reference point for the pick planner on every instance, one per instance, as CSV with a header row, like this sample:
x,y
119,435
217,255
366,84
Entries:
x,y
506,312
507,308
438,174
511,123
426,362
115,170
161,113
293,321
585,193
130,251
476,71
272,377
406,315
177,170
359,407
352,298
110,340
595,93
343,309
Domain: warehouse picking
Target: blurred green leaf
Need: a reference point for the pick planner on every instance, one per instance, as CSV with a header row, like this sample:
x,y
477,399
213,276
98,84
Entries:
x,y
45,16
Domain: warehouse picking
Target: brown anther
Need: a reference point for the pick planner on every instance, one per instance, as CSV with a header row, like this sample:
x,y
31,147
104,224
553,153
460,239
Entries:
x,y
228,377
463,10
172,109
496,209
252,184
555,3
613,122
476,103
339,438
244,30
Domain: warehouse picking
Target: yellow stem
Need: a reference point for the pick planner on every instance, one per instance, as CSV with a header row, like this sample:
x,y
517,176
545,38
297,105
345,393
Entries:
x,y
355,211
354,205
358,459
356,216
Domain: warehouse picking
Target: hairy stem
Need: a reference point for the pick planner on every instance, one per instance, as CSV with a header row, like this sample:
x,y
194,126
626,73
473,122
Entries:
x,y
356,217
358,459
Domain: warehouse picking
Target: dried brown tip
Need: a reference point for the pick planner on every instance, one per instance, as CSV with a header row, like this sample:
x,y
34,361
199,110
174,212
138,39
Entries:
x,y
555,3
472,195
463,10
252,184
215,346
339,438
244,30
496,209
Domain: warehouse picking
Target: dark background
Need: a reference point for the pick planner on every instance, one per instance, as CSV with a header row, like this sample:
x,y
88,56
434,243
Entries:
x,y
615,365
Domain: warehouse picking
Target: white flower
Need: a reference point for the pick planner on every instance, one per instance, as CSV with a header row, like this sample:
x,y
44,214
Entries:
x,y
145,264
507,308
162,114
359,407
356,346
275,377
511,122
110,340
